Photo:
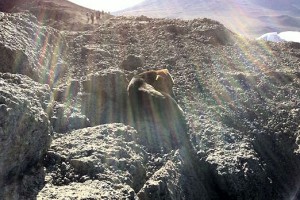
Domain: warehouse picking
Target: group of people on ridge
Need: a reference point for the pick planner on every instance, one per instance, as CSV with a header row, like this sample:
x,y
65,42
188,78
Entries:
x,y
91,16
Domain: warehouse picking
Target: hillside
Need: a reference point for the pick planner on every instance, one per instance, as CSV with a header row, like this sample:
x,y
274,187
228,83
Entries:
x,y
60,14
67,131
241,16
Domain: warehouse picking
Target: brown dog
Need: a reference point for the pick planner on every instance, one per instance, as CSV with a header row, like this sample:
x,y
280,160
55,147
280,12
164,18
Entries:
x,y
160,80
152,101
152,87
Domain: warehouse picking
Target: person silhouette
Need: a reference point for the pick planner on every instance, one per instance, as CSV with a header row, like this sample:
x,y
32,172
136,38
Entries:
x,y
92,17
88,17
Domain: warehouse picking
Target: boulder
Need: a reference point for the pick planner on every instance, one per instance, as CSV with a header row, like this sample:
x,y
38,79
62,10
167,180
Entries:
x,y
102,161
179,178
24,131
66,91
104,97
132,62
65,114
15,61
66,118
31,49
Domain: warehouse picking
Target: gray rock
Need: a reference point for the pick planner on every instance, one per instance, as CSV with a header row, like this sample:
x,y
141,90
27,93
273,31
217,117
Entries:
x,y
102,161
179,178
65,118
94,53
66,91
132,62
31,49
24,131
104,97
240,98
15,61
90,189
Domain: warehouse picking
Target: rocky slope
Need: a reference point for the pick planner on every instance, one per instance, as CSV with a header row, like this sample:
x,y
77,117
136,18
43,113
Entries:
x,y
247,17
25,135
240,98
60,14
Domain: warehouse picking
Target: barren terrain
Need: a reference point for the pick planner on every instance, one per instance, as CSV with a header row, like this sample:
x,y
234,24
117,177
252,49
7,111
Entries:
x,y
250,18
240,99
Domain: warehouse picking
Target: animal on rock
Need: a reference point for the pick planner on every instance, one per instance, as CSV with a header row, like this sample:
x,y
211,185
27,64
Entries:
x,y
154,110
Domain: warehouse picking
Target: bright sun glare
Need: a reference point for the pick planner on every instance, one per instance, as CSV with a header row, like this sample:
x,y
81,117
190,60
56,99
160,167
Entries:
x,y
107,5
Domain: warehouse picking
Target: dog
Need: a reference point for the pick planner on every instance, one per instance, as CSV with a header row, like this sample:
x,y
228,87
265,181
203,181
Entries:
x,y
153,104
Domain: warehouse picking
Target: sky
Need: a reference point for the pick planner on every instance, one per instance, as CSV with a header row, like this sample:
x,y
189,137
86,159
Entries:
x,y
107,5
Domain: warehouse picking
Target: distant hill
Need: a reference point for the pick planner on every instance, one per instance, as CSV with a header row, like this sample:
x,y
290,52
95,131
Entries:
x,y
61,14
249,17
59,10
12,5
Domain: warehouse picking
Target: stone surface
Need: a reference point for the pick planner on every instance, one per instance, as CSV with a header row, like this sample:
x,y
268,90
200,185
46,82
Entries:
x,y
25,132
31,49
100,162
66,118
132,62
179,178
104,96
240,100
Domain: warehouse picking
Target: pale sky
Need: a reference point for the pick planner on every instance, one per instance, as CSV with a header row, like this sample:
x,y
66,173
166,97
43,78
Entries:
x,y
107,5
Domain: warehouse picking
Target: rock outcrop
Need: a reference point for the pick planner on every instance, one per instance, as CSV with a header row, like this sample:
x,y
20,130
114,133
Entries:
x,y
64,118
25,135
132,62
240,100
104,96
101,162
31,49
